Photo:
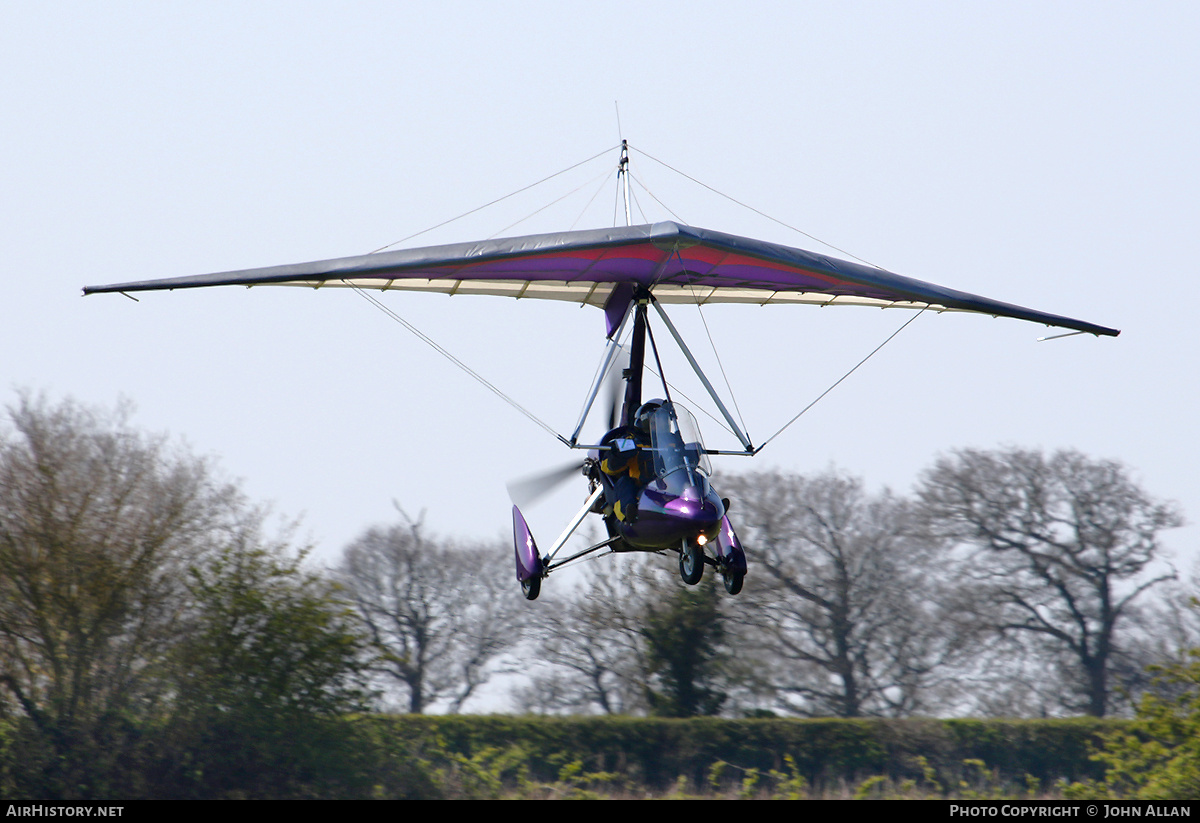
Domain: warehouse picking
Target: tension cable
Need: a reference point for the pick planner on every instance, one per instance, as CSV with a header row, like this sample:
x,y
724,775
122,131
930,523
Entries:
x,y
433,344
757,211
601,176
494,202
840,379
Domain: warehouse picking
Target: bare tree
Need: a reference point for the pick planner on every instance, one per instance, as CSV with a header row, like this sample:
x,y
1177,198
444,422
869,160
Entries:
x,y
592,645
1161,631
1172,628
842,595
98,525
1058,549
633,639
440,615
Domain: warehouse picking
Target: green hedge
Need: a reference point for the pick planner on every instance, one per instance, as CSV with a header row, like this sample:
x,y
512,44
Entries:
x,y
655,753
472,756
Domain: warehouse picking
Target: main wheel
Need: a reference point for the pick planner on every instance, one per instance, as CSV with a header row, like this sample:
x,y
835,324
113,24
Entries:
x,y
733,581
691,564
531,588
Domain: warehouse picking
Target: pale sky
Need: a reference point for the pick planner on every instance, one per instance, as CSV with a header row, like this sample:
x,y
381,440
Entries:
x,y
1043,154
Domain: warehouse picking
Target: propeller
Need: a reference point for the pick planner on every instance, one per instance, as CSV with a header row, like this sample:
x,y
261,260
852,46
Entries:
x,y
528,490
614,393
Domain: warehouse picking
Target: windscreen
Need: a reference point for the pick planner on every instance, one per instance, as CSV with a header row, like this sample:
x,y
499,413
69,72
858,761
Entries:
x,y
675,441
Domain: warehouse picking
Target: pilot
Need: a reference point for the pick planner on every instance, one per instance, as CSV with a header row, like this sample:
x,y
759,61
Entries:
x,y
625,464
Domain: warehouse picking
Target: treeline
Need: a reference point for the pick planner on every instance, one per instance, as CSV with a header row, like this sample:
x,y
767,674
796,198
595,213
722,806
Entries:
x,y
157,640
1010,584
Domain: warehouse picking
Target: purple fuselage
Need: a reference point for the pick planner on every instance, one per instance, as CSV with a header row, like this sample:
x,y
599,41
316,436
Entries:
x,y
681,506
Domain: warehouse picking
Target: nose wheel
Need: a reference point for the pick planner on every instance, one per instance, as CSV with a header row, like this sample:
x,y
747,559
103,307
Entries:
x,y
691,563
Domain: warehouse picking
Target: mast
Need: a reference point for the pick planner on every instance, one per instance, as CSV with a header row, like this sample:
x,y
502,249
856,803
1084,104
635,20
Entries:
x,y
641,301
623,176
637,342
637,359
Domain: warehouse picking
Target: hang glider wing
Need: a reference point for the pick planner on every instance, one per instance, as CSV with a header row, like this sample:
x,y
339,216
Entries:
x,y
602,267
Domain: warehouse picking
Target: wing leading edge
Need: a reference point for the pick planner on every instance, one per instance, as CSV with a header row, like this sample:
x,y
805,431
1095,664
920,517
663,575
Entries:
x,y
679,264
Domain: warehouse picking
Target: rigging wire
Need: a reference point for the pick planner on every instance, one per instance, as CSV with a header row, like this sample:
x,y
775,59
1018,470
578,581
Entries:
x,y
757,211
694,403
534,418
591,200
653,197
617,204
839,380
703,320
654,348
370,298
669,386
728,387
596,377
721,366
494,202
712,343
600,176
638,205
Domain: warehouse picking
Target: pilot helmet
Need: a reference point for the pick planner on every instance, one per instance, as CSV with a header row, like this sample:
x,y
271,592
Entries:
x,y
641,418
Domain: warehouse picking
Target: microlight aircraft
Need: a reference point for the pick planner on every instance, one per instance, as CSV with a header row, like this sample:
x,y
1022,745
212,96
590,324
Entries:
x,y
648,476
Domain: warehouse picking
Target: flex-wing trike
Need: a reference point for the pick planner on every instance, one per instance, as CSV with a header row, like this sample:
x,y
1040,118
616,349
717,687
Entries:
x,y
648,478
676,510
